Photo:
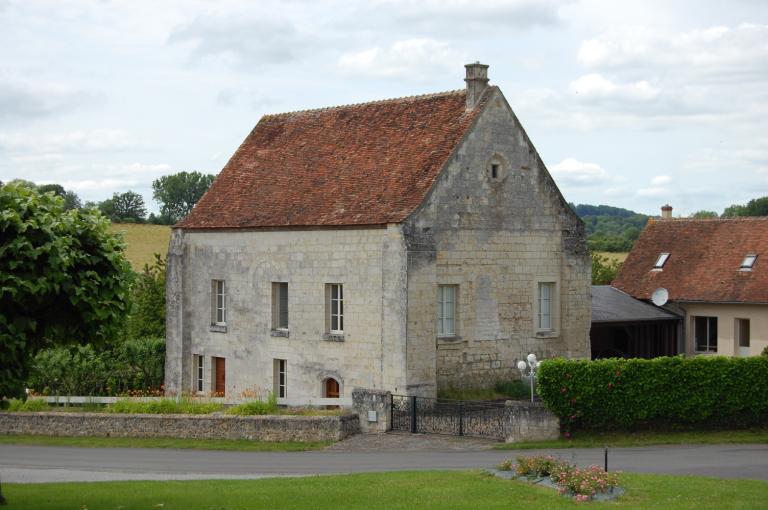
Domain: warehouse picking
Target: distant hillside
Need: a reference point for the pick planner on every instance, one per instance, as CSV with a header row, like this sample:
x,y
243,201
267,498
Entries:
x,y
143,242
610,228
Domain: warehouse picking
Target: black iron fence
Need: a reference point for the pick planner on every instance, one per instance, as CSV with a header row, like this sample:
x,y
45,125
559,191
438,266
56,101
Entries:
x,y
441,416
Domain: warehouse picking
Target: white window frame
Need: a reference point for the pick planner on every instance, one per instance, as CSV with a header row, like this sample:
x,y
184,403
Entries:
x,y
280,378
447,301
280,297
749,262
338,316
218,307
545,311
199,373
709,347
663,258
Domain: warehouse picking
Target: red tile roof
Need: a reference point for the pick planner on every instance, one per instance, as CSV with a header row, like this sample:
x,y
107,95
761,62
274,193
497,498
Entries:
x,y
364,164
705,257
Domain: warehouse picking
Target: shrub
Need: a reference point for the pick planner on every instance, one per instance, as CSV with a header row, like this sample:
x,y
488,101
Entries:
x,y
765,351
163,406
582,483
634,393
256,407
29,406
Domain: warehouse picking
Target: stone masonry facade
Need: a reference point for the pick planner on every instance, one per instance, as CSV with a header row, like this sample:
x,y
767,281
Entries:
x,y
494,227
495,239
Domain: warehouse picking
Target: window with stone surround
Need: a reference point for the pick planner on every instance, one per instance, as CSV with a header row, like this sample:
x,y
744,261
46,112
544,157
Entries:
x,y
546,298
218,303
447,296
280,306
335,308
280,377
199,373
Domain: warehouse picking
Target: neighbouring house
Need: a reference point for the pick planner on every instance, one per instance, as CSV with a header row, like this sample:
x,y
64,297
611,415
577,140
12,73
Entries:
x,y
625,327
408,244
709,271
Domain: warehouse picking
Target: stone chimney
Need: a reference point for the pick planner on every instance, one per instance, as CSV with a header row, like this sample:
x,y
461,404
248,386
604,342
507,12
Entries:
x,y
477,81
666,212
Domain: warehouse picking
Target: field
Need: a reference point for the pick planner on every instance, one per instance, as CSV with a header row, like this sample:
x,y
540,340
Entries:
x,y
403,490
143,242
620,256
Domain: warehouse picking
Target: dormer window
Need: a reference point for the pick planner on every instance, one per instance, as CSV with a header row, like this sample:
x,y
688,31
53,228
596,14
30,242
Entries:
x,y
748,262
661,261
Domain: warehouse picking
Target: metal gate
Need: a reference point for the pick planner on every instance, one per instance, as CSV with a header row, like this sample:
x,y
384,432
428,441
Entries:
x,y
441,416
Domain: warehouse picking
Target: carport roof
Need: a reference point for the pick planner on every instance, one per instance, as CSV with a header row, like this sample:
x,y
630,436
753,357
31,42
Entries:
x,y
610,305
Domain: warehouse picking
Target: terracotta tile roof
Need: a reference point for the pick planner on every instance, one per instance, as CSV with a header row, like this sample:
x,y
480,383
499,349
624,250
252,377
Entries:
x,y
704,261
363,164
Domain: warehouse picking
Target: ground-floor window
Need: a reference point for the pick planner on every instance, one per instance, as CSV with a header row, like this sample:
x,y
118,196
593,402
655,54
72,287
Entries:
x,y
199,373
280,378
705,333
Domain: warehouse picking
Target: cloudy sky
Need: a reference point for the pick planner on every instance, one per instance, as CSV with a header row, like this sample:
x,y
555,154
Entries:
x,y
631,104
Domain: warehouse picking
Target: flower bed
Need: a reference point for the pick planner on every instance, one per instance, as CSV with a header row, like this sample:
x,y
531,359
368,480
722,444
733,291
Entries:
x,y
582,484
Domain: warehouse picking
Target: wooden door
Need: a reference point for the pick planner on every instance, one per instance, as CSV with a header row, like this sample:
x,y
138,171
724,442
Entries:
x,y
221,377
332,388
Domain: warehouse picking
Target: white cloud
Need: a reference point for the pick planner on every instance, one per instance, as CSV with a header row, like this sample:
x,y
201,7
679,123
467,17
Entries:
x,y
596,86
719,52
415,58
654,191
575,173
96,140
247,38
22,98
660,180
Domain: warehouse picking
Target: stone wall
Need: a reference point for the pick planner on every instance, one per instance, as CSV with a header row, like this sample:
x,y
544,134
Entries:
x,y
496,239
524,421
378,402
261,428
368,262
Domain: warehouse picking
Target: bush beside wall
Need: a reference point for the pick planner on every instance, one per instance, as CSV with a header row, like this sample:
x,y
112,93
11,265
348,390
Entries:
x,y
705,391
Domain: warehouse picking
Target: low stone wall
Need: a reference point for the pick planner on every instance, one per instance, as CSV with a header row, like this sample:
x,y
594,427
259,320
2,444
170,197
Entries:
x,y
525,421
374,409
262,428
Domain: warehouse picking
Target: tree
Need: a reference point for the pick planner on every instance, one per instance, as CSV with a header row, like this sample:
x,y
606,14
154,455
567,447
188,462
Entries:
x,y
147,315
699,215
178,193
71,200
63,279
755,207
125,207
604,270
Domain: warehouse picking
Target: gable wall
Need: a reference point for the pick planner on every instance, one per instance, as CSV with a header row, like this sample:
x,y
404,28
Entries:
x,y
370,263
495,240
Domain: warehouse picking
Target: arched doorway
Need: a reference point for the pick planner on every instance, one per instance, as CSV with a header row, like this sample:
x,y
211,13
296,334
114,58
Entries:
x,y
331,388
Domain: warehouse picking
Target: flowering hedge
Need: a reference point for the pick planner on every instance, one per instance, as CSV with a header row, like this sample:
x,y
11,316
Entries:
x,y
632,393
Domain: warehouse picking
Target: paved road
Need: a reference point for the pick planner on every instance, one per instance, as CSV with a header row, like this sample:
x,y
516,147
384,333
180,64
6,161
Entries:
x,y
29,464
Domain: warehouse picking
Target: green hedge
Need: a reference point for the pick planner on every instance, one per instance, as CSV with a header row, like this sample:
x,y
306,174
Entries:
x,y
710,391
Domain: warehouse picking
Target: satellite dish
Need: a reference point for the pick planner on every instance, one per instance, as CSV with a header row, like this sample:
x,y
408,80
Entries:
x,y
660,296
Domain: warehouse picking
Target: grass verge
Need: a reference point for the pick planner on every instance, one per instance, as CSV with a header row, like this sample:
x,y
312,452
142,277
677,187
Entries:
x,y
191,444
625,439
402,490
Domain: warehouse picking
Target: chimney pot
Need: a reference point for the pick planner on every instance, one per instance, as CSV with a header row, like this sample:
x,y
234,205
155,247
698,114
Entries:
x,y
666,212
477,82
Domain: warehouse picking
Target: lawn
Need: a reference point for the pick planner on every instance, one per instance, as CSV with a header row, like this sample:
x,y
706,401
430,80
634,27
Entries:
x,y
143,242
194,444
625,439
401,490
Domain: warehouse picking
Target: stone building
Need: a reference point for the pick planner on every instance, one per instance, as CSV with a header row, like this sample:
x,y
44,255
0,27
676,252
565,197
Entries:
x,y
408,244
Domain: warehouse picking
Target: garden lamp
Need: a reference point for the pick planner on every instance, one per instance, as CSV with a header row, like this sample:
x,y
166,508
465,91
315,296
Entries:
x,y
531,365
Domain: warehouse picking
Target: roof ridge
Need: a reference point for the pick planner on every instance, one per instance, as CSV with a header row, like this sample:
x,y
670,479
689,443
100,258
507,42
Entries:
x,y
366,103
658,220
